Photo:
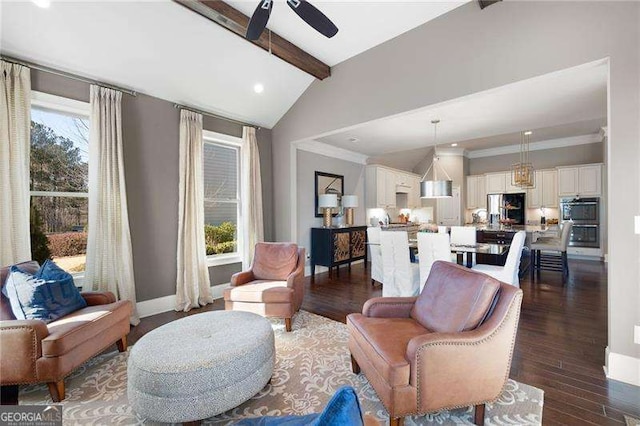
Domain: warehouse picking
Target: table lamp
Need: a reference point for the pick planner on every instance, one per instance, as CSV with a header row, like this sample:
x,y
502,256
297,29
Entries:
x,y
349,202
327,202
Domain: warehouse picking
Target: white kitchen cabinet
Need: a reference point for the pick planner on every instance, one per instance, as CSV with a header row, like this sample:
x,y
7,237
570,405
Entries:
x,y
545,193
476,192
590,180
381,185
580,181
413,198
549,188
496,183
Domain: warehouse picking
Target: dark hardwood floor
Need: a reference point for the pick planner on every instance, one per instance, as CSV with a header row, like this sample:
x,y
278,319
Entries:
x,y
559,348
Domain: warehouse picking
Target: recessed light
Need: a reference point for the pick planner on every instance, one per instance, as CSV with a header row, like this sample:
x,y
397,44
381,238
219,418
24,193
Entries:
x,y
528,133
454,144
353,140
258,88
42,3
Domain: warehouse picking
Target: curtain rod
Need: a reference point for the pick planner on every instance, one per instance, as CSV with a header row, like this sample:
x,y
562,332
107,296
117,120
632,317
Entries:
x,y
211,114
65,74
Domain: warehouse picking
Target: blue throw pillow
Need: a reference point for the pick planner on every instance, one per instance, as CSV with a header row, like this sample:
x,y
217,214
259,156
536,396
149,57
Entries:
x,y
47,295
342,409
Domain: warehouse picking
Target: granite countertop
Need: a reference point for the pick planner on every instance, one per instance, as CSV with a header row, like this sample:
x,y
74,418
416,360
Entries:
x,y
514,228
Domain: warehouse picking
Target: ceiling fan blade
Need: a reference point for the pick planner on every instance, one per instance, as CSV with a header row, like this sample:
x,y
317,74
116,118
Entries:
x,y
259,19
312,16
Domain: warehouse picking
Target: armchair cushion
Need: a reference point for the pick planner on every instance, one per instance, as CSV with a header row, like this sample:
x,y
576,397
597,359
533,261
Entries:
x,y
260,291
72,330
47,295
385,341
274,261
454,299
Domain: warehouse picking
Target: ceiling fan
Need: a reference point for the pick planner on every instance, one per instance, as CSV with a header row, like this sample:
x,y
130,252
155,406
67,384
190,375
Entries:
x,y
305,10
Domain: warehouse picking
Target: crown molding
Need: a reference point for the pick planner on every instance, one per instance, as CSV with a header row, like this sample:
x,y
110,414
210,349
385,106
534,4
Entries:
x,y
450,152
538,146
327,150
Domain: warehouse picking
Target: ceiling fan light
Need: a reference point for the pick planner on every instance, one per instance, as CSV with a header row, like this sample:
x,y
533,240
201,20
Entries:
x,y
436,189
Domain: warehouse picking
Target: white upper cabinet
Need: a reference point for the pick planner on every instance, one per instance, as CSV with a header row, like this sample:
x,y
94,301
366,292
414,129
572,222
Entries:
x,y
496,183
382,183
476,192
580,181
509,187
545,193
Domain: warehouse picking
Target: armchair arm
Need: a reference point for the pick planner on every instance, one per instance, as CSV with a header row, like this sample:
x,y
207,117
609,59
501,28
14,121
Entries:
x,y
94,298
467,368
388,307
20,347
241,278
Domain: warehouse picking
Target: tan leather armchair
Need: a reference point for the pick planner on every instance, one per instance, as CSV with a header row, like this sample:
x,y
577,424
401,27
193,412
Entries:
x,y
34,352
273,286
449,347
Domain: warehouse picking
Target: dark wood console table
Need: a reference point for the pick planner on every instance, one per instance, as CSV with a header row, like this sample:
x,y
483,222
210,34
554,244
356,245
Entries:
x,y
337,246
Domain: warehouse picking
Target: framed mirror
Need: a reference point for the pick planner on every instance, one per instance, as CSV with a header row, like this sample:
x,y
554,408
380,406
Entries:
x,y
328,183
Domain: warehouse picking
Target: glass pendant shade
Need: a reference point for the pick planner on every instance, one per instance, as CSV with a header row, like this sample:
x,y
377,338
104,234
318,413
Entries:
x,y
436,189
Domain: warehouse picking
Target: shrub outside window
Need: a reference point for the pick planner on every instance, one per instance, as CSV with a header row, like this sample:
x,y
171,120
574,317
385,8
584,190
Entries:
x,y
59,181
221,173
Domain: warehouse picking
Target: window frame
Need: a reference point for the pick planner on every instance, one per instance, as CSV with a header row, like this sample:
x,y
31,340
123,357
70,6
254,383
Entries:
x,y
228,141
60,104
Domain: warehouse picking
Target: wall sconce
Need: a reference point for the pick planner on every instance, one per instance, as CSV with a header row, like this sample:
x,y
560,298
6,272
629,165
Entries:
x,y
327,202
349,202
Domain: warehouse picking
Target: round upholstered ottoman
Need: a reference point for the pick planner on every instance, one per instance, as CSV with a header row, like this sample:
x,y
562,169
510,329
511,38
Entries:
x,y
200,366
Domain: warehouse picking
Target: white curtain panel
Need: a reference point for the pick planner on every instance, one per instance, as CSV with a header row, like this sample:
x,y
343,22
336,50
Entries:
x,y
253,224
15,125
192,288
109,257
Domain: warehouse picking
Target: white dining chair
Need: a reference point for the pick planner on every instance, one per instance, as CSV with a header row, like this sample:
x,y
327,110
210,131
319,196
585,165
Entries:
x,y
432,247
464,236
548,261
443,229
375,254
509,272
401,278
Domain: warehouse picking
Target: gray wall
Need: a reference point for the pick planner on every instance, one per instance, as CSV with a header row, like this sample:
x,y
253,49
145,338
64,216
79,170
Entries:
x,y
469,50
543,159
150,128
307,164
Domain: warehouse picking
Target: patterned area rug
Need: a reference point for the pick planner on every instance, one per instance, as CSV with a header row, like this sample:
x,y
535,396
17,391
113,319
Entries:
x,y
312,362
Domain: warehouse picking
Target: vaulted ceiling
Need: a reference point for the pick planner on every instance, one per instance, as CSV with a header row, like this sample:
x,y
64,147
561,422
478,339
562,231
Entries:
x,y
165,50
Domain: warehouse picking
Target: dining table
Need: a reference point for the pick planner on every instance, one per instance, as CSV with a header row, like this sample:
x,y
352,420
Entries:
x,y
464,253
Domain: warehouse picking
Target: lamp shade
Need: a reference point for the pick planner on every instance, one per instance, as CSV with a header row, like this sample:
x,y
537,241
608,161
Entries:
x,y
328,200
349,201
436,189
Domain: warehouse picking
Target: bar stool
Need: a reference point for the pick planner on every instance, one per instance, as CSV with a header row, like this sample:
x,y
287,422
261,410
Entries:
x,y
552,262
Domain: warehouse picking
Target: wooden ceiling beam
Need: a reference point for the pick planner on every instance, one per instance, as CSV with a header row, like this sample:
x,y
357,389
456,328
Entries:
x,y
235,21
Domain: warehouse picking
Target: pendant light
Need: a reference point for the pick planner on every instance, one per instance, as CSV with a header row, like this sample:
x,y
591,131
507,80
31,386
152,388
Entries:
x,y
436,188
522,173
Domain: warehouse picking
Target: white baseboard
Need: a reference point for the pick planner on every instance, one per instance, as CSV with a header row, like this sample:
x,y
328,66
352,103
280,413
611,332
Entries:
x,y
168,303
623,368
321,269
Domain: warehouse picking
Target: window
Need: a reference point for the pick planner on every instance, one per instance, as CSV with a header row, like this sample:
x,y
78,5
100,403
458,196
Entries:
x,y
59,177
222,207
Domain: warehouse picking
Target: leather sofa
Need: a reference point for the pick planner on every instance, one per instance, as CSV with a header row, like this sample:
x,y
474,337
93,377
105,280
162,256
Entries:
x,y
449,347
35,352
273,286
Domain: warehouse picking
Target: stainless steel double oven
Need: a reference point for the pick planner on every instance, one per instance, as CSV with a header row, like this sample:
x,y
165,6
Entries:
x,y
585,214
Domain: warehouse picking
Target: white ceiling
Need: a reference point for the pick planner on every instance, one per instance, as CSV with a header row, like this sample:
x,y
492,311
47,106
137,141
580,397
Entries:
x,y
362,24
162,49
567,103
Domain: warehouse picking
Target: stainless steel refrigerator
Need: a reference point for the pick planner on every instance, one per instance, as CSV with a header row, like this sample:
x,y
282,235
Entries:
x,y
506,206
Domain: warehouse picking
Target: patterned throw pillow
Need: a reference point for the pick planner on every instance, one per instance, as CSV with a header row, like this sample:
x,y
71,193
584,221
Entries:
x,y
47,295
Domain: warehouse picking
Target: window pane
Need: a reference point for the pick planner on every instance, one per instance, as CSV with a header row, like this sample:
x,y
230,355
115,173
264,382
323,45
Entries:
x,y
221,227
64,222
59,151
220,172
